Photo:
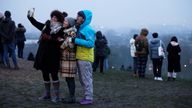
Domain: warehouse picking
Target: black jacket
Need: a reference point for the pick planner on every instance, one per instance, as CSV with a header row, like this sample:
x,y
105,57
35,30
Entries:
x,y
48,53
7,30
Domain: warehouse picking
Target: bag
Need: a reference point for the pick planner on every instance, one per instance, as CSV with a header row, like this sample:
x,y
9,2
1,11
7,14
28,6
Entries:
x,y
160,50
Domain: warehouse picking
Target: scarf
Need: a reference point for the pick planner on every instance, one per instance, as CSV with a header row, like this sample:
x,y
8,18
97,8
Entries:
x,y
55,27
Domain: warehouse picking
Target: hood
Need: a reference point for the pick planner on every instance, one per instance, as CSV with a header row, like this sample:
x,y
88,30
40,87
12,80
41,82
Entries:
x,y
88,17
173,43
155,41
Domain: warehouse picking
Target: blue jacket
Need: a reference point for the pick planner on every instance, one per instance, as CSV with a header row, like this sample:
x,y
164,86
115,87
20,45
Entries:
x,y
153,48
85,39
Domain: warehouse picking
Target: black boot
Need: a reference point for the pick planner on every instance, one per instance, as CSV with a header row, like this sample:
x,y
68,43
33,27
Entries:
x,y
47,94
71,86
169,79
56,97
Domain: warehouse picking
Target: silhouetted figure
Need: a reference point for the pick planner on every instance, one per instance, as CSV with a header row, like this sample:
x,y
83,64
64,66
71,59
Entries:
x,y
141,44
31,57
20,39
1,45
100,44
122,68
132,51
7,31
157,60
174,65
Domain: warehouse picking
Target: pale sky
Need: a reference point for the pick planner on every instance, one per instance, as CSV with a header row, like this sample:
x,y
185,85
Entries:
x,y
107,13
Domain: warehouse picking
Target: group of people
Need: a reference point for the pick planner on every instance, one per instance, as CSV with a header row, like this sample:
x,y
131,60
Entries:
x,y
66,45
10,37
155,48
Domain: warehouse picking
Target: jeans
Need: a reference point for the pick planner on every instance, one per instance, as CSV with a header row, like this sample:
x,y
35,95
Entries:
x,y
9,48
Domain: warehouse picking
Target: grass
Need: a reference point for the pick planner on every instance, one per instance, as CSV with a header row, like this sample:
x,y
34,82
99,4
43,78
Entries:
x,y
114,89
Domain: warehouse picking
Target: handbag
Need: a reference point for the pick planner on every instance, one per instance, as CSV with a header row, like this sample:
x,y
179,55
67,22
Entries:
x,y
160,50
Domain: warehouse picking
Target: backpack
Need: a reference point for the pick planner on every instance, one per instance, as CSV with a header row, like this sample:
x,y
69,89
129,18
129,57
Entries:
x,y
139,45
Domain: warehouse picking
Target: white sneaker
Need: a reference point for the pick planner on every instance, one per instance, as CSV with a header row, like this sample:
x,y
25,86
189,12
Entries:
x,y
159,79
155,78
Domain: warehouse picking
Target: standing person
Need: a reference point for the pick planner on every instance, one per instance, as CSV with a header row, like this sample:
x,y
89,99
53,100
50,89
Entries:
x,y
156,59
1,45
48,54
106,61
68,60
85,53
100,44
7,31
174,64
132,51
141,44
20,39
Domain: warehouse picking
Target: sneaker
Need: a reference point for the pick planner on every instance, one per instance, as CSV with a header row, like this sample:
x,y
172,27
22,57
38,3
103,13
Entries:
x,y
86,102
159,79
155,78
55,99
44,97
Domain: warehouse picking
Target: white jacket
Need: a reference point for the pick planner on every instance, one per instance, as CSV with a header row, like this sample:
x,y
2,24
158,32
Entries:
x,y
132,47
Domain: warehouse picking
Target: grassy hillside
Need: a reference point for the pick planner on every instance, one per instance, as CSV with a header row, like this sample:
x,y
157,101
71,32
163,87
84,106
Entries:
x,y
114,89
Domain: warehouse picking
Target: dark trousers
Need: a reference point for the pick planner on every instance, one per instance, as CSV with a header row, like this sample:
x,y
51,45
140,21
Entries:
x,y
135,65
99,60
20,46
157,65
71,85
141,65
46,77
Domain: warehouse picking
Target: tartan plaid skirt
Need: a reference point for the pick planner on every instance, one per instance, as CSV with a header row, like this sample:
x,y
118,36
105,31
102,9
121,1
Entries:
x,y
68,64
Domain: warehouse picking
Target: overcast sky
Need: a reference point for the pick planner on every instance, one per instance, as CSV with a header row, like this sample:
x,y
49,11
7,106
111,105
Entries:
x,y
107,13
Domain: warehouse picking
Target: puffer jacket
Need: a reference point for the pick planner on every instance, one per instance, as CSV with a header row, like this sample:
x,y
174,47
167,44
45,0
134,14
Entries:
x,y
153,48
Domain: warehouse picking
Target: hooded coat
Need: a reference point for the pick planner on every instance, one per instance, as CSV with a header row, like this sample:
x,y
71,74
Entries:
x,y
174,50
85,39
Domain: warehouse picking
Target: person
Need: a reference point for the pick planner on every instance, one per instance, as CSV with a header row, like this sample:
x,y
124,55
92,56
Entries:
x,y
141,44
48,54
106,61
68,65
20,39
122,68
156,59
31,57
85,53
7,31
100,45
1,45
174,65
132,51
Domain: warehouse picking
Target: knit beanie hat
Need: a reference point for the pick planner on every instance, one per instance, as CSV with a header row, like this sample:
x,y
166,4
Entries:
x,y
71,21
1,15
81,13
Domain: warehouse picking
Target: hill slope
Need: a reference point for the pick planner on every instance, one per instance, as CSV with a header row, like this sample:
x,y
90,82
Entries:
x,y
21,88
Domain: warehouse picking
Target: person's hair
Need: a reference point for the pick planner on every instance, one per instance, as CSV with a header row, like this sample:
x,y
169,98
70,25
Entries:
x,y
7,14
174,38
20,25
144,32
155,35
58,14
135,36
